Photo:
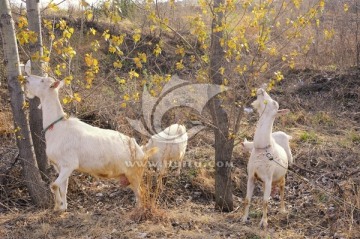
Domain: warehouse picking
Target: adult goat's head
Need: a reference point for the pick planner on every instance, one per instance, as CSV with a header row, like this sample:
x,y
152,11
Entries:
x,y
41,86
265,105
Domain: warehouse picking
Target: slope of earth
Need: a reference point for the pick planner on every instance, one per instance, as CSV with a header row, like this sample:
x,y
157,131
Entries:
x,y
322,189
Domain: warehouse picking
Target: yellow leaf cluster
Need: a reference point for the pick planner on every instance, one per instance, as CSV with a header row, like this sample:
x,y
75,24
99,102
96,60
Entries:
x,y
137,62
62,24
133,74
106,35
92,31
68,52
199,29
253,92
157,50
142,58
95,45
117,64
241,70
126,97
89,14
180,50
297,3
117,40
67,33
70,98
53,6
25,105
91,61
21,79
179,65
137,35
329,34
273,51
35,56
22,22
278,75
59,68
48,24
68,80
112,49
121,81
93,65
26,36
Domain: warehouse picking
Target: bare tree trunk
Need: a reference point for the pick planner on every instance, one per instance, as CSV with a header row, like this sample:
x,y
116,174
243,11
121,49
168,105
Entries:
x,y
223,144
33,14
31,173
357,6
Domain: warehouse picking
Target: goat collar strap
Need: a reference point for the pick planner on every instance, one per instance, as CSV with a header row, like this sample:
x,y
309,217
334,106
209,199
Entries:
x,y
53,123
265,148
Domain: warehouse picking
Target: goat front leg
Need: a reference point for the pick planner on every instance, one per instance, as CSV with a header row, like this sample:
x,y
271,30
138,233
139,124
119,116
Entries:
x,y
282,195
135,186
249,192
134,183
267,192
59,188
63,192
180,165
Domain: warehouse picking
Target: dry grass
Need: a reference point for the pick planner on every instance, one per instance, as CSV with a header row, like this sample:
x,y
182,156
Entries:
x,y
6,127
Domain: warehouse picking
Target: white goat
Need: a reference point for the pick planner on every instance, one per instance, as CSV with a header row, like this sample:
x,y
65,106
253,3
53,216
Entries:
x,y
171,145
281,138
74,145
268,160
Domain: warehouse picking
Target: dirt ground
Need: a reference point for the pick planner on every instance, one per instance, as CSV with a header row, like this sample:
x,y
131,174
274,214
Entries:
x,y
322,188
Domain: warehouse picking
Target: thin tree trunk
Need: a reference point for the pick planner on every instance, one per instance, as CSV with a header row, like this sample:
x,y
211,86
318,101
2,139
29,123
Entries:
x,y
357,6
31,173
223,144
33,14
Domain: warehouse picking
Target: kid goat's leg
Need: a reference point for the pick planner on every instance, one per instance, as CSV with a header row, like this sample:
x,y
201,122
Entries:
x,y
249,193
267,192
282,189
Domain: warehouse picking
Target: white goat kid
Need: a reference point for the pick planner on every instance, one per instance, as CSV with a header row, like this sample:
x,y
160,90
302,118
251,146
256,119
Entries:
x,y
171,144
74,145
268,160
280,137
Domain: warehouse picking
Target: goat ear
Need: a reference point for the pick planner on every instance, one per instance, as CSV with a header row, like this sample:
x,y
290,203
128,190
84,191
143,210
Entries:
x,y
283,112
55,84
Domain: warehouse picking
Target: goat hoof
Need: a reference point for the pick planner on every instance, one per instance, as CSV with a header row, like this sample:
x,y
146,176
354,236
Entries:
x,y
283,211
246,220
60,207
263,224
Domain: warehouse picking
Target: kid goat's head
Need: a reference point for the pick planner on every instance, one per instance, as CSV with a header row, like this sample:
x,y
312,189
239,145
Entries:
x,y
41,86
265,105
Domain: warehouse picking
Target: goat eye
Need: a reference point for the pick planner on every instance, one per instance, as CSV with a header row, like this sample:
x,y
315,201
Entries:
x,y
42,81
